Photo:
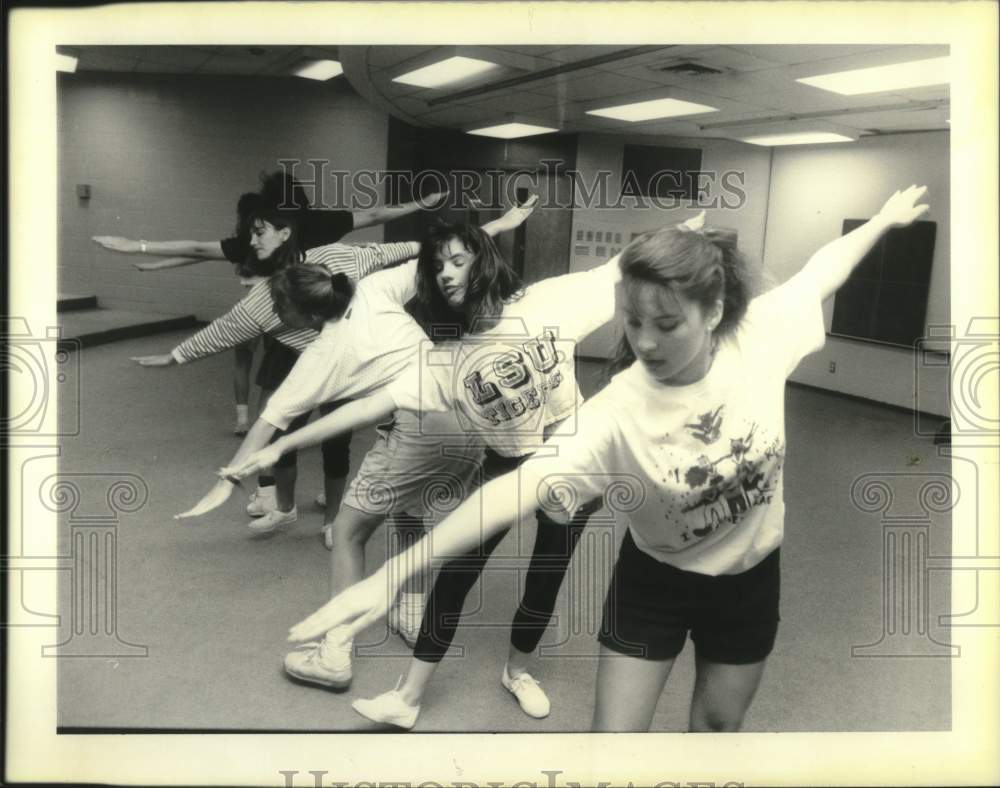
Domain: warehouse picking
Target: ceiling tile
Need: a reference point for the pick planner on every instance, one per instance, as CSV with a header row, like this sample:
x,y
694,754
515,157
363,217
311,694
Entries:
x,y
805,98
908,120
455,116
516,102
574,53
808,53
389,56
594,85
90,60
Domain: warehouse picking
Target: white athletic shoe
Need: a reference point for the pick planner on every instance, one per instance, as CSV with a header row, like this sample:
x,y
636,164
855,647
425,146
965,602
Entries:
x,y
273,520
528,692
241,428
321,500
327,663
262,501
327,531
389,707
405,616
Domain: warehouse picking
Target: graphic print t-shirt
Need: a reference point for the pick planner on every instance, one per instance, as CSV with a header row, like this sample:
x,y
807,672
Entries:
x,y
697,469
510,382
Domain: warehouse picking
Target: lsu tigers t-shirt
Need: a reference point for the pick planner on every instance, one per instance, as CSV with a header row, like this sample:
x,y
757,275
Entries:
x,y
513,380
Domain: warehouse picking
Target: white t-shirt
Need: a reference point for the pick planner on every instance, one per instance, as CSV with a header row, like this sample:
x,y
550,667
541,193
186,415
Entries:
x,y
374,341
696,469
510,382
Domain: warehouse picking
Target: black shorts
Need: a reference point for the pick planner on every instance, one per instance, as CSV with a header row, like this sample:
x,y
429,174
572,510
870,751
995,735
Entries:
x,y
651,606
277,362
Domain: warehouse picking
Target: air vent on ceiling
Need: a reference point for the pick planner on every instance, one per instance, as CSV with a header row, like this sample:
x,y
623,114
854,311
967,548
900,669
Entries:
x,y
688,68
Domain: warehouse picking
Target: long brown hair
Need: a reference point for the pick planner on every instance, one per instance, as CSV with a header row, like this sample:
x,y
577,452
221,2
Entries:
x,y
492,283
704,266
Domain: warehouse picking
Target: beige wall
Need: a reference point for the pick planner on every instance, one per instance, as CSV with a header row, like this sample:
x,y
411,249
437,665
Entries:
x,y
598,152
813,189
166,157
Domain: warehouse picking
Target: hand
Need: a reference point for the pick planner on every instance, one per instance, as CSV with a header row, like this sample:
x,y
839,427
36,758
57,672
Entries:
x,y
901,209
357,607
263,458
695,223
517,215
433,200
217,496
163,360
117,244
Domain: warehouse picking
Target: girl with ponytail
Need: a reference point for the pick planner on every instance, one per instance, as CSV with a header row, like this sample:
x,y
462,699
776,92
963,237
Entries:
x,y
687,445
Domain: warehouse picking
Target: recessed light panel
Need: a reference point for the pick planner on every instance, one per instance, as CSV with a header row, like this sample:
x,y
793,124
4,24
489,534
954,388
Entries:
x,y
509,131
799,138
899,76
321,70
650,110
445,72
66,63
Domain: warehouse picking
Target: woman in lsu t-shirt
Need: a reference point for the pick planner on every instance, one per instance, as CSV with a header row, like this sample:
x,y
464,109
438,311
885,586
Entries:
x,y
693,429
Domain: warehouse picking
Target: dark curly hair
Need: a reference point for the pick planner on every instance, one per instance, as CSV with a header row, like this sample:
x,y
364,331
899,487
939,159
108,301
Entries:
x,y
492,283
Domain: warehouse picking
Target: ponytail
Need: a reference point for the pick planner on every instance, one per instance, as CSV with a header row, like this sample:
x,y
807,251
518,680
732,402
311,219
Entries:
x,y
312,292
702,264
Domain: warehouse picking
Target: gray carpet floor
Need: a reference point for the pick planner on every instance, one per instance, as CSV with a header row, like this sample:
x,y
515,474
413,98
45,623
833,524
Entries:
x,y
211,604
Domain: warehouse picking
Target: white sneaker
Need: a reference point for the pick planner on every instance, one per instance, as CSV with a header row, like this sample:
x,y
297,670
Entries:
x,y
328,536
262,501
327,663
273,520
389,707
321,500
528,692
406,615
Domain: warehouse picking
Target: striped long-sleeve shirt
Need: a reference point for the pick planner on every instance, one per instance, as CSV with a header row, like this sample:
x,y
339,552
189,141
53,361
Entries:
x,y
254,314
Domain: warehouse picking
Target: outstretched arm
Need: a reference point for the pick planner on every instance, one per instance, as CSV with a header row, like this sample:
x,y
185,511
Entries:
x,y
387,213
485,513
171,262
116,243
359,413
258,436
832,264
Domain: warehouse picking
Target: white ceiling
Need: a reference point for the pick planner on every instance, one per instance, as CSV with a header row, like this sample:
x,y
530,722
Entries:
x,y
752,86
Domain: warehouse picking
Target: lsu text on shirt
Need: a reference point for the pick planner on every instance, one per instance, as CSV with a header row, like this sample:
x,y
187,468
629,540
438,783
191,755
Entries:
x,y
696,469
510,382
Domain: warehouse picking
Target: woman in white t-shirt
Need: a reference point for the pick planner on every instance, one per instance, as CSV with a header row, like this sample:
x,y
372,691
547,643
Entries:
x,y
511,382
688,441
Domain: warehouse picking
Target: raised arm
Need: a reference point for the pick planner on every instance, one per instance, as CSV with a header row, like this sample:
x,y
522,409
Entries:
x,y
359,413
387,213
485,513
114,243
513,219
831,265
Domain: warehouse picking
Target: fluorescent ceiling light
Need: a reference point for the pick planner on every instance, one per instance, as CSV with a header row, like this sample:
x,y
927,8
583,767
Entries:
x,y
446,71
648,110
509,131
900,76
321,70
797,138
66,63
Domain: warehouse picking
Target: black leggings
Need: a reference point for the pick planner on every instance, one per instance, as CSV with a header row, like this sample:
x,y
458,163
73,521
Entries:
x,y
336,451
554,546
